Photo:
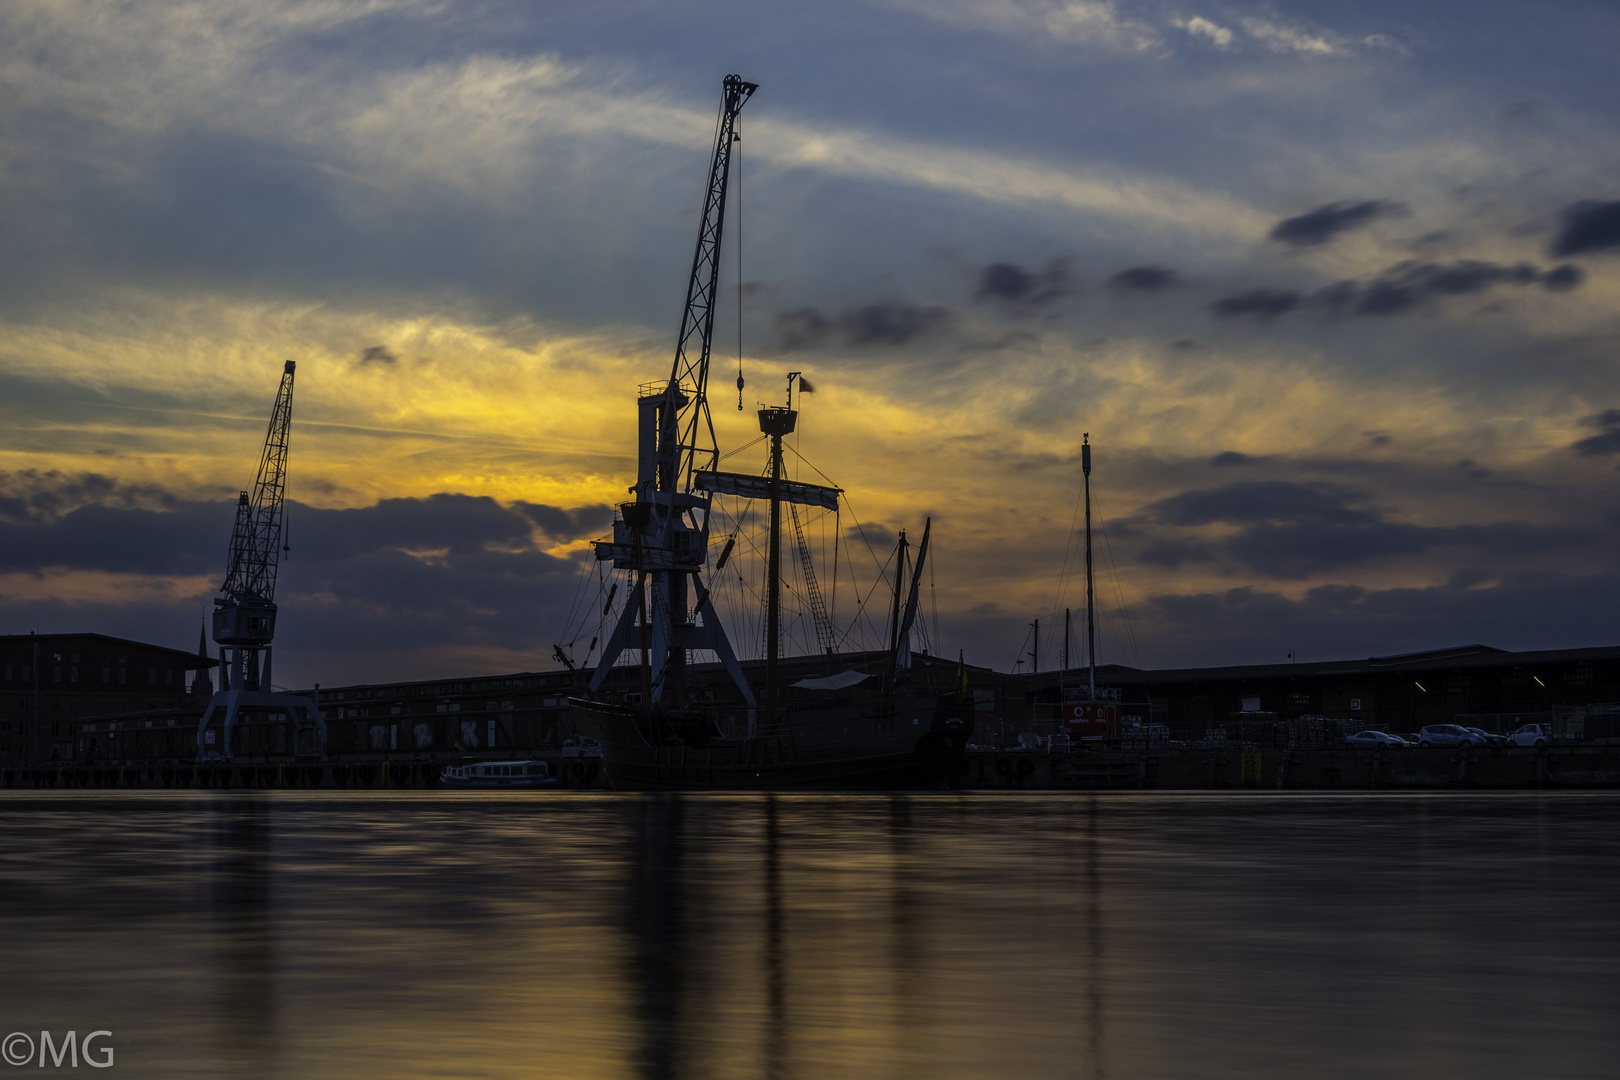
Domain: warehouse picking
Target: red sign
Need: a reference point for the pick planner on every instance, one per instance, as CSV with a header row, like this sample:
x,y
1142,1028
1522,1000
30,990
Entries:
x,y
1093,719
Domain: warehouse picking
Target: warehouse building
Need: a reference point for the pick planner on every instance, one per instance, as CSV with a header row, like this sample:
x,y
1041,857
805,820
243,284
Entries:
x,y
50,682
1477,685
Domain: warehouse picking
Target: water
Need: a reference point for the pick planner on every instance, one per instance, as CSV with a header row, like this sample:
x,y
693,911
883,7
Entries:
x,y
716,936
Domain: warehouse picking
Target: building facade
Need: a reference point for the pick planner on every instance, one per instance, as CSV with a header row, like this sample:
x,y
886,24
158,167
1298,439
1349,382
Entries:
x,y
49,682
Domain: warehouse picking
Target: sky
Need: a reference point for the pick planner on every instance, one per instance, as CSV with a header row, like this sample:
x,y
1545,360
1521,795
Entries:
x,y
1330,286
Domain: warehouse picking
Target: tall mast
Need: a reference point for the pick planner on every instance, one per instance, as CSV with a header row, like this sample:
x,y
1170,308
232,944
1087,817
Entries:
x,y
894,622
775,422
1091,625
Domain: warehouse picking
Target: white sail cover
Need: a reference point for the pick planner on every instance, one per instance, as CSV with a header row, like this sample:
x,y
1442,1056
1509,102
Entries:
x,y
833,682
759,487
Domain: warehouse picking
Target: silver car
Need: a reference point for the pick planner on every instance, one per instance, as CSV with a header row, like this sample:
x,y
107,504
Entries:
x,y
1449,735
1374,739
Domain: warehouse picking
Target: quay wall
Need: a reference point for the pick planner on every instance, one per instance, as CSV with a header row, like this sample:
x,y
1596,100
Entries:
x,y
1178,769
1234,768
375,775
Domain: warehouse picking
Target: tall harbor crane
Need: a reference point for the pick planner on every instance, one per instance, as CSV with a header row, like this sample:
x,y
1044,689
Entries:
x,y
663,535
245,612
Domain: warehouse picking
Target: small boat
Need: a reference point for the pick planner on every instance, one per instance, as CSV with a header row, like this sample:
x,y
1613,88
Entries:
x,y
501,775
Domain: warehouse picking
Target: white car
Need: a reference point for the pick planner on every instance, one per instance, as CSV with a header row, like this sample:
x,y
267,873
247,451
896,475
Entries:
x,y
1531,735
1374,738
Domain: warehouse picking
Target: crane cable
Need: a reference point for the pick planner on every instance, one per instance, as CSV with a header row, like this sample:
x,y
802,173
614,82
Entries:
x,y
736,138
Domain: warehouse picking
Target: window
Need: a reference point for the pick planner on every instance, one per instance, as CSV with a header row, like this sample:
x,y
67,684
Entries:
x,y
106,675
56,729
73,673
151,676
25,673
168,676
121,676
56,673
8,673
75,658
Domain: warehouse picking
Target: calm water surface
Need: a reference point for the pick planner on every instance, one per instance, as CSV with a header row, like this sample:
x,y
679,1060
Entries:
x,y
716,936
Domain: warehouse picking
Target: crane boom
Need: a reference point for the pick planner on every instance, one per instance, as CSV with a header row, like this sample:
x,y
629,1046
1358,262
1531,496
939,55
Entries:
x,y
256,540
686,413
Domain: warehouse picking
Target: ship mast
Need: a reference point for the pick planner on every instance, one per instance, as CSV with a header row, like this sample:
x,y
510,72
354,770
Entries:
x,y
1091,626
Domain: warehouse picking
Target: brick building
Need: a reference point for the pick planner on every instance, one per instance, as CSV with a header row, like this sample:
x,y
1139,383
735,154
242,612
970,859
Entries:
x,y
49,681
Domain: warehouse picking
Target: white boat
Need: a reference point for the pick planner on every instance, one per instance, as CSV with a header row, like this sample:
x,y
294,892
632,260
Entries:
x,y
501,775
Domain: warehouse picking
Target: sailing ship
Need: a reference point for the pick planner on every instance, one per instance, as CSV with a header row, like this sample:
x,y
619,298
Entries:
x,y
850,728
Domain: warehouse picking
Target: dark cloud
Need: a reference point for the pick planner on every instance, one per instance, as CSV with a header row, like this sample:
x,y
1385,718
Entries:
x,y
856,327
1252,625
1143,279
559,524
889,324
801,328
1289,530
1607,441
1400,289
1589,225
1326,222
377,354
1563,278
365,592
1406,285
1260,303
1231,457
1010,283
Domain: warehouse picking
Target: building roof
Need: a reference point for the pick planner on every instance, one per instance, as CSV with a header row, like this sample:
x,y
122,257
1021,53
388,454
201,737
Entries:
x,y
1459,656
184,659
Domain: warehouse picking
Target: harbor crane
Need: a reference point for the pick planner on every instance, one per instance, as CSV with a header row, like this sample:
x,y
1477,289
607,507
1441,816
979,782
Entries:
x,y
663,535
244,623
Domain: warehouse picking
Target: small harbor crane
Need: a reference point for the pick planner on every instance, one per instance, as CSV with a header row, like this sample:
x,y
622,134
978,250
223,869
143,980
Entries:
x,y
245,612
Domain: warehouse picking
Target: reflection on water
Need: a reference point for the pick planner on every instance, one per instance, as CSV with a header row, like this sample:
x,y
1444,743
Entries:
x,y
717,936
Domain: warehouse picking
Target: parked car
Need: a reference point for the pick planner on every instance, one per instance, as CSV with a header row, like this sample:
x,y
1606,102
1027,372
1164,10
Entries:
x,y
1449,735
1533,735
1411,737
1374,739
1490,740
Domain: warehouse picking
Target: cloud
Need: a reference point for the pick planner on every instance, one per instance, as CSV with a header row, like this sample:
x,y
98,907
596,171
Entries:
x,y
1011,284
889,324
1338,621
858,327
1406,285
1229,458
1399,289
1589,226
1198,26
1143,279
1286,530
1563,278
1607,441
1323,224
801,328
1260,303
377,354
447,572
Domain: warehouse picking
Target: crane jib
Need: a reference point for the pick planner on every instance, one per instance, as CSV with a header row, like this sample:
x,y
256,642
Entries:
x,y
686,420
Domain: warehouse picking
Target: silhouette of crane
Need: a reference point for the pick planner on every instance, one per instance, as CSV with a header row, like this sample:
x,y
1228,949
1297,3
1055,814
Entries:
x,y
245,613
